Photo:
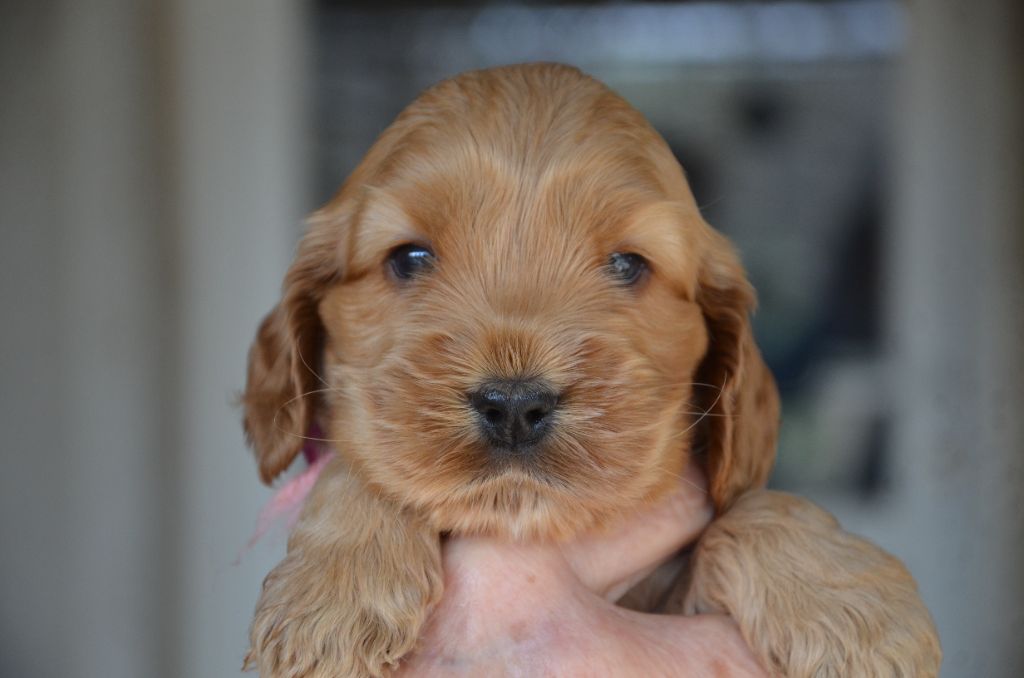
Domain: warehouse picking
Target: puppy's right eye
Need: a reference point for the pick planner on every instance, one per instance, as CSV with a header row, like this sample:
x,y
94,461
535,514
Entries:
x,y
409,261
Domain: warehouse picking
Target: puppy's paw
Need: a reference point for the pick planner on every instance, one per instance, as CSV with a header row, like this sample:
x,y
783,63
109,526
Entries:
x,y
319,619
353,593
811,599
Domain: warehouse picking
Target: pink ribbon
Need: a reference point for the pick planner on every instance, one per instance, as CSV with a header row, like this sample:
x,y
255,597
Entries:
x,y
287,502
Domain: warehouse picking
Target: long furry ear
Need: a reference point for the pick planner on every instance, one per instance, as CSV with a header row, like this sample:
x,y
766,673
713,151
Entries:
x,y
280,400
743,417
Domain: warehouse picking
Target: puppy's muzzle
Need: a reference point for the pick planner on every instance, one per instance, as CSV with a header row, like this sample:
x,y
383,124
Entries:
x,y
514,414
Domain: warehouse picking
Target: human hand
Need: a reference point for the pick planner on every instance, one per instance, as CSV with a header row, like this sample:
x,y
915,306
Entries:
x,y
548,609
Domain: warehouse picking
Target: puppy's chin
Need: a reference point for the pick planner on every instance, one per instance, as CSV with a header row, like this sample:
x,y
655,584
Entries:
x,y
514,503
517,499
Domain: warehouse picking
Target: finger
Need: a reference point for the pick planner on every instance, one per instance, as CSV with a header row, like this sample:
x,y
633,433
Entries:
x,y
702,645
610,562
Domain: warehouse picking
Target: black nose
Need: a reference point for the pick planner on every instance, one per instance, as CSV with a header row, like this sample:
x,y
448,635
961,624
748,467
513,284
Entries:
x,y
514,413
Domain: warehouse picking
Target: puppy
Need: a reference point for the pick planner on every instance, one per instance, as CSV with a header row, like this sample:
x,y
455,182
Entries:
x,y
513,320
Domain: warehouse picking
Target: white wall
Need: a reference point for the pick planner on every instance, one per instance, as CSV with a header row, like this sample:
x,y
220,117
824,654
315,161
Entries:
x,y
151,182
238,138
956,313
81,344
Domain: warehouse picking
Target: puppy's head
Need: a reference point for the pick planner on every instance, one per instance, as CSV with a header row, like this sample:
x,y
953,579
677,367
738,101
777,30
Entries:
x,y
513,319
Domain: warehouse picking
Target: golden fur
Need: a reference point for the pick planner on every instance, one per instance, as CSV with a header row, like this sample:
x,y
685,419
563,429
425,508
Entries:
x,y
523,180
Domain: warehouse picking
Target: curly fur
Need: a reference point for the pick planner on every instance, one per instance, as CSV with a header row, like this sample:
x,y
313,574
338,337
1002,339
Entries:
x,y
523,180
811,599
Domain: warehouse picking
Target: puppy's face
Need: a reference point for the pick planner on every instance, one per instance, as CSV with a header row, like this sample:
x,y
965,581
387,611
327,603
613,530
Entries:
x,y
515,353
508,306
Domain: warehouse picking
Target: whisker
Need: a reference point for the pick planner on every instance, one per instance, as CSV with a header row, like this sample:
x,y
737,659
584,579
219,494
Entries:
x,y
311,370
702,384
442,457
688,482
721,389
288,402
711,414
583,452
705,413
710,203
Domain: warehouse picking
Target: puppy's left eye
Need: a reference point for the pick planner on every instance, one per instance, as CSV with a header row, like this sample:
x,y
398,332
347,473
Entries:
x,y
626,267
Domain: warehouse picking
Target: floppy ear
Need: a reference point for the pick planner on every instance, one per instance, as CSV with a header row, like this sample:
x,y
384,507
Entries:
x,y
743,418
280,400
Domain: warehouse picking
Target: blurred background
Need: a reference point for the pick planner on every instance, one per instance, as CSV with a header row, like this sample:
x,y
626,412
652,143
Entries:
x,y
156,161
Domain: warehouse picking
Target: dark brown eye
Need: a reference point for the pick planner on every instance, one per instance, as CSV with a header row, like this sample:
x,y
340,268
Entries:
x,y
626,267
409,261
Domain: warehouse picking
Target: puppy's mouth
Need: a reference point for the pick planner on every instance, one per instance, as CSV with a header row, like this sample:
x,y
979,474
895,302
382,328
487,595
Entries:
x,y
523,462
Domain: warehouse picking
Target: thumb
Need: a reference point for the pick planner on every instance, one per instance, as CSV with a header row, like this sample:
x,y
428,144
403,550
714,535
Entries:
x,y
611,561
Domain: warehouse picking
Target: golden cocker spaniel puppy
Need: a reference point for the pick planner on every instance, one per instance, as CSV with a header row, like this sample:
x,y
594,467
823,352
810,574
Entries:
x,y
513,320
